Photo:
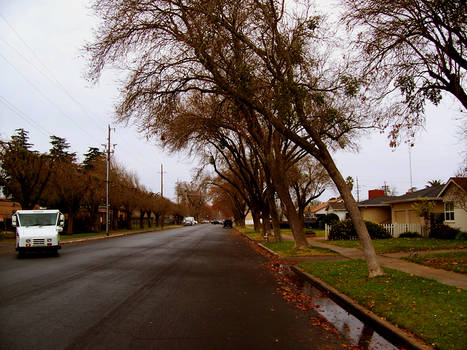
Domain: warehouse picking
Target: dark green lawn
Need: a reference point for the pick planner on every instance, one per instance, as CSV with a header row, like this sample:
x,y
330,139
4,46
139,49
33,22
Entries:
x,y
434,312
452,261
393,245
287,248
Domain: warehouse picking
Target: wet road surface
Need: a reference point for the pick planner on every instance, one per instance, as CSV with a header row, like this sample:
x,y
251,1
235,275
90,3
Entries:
x,y
199,287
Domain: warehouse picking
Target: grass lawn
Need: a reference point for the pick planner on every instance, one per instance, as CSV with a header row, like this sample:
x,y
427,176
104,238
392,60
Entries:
x,y
250,233
453,261
434,312
393,245
287,249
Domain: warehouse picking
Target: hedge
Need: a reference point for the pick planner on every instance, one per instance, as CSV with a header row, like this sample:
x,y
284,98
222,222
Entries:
x,y
344,230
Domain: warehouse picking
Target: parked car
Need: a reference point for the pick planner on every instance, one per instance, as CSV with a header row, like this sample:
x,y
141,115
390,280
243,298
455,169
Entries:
x,y
228,223
189,221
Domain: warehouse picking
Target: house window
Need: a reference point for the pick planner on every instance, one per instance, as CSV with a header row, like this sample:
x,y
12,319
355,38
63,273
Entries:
x,y
449,211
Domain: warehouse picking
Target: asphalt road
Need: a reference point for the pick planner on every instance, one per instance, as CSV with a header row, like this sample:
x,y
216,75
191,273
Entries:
x,y
199,287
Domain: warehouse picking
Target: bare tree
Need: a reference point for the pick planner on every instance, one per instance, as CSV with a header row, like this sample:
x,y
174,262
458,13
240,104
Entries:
x,y
227,198
418,46
253,52
309,181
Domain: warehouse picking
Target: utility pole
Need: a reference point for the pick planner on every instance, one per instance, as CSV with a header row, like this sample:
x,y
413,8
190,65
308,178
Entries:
x,y
107,185
162,181
162,194
107,181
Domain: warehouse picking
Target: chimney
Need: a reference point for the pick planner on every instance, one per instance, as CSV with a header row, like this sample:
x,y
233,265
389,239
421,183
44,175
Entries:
x,y
375,194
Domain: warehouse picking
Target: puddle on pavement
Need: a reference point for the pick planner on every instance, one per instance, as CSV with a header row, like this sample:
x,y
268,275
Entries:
x,y
354,330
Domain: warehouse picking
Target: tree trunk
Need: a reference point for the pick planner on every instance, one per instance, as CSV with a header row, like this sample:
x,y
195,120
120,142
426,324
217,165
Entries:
x,y
351,205
265,227
148,213
320,152
129,225
240,221
141,218
256,220
276,224
157,219
295,222
114,219
69,230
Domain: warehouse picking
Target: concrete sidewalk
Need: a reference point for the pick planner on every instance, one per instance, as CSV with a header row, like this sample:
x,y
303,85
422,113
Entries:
x,y
393,261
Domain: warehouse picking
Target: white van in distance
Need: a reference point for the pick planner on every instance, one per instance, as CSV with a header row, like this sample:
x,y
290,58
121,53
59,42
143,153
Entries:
x,y
189,221
38,230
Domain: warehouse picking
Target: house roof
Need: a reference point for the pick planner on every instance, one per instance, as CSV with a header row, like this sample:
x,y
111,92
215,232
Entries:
x,y
461,182
377,202
432,193
322,205
337,206
317,207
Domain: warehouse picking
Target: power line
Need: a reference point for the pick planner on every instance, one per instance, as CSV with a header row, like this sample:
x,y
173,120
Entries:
x,y
49,77
52,79
46,97
24,116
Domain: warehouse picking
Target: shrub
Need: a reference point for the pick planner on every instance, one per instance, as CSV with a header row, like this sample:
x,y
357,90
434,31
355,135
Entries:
x,y
443,231
330,219
410,235
344,230
461,236
377,231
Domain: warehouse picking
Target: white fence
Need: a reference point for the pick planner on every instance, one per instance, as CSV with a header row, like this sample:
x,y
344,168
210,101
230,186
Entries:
x,y
395,230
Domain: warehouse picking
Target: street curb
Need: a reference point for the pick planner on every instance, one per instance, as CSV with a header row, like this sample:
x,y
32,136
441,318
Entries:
x,y
383,327
269,250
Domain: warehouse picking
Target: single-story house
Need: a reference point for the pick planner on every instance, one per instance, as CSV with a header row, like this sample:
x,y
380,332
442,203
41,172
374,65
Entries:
x,y
332,206
337,208
376,209
454,195
7,208
450,200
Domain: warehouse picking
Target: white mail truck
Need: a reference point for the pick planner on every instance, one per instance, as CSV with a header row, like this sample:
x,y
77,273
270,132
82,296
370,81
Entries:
x,y
38,230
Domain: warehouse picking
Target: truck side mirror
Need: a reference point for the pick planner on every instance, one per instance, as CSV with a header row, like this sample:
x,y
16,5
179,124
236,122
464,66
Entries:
x,y
61,220
14,221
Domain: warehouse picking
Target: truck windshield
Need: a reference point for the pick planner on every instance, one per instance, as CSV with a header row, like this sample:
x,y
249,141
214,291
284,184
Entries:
x,y
43,219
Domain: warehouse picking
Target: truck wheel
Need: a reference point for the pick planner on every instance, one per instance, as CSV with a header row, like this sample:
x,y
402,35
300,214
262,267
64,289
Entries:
x,y
20,254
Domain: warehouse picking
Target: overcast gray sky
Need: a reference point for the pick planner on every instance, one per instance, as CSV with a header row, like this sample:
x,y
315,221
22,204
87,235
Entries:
x,y
43,91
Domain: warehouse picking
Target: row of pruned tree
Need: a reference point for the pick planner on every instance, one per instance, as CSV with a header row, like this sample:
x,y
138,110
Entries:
x,y
57,180
258,85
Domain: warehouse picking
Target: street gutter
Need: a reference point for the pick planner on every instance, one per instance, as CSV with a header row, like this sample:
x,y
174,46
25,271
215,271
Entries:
x,y
396,335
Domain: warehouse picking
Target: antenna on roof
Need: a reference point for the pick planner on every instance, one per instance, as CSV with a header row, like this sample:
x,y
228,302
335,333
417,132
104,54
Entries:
x,y
358,191
410,164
